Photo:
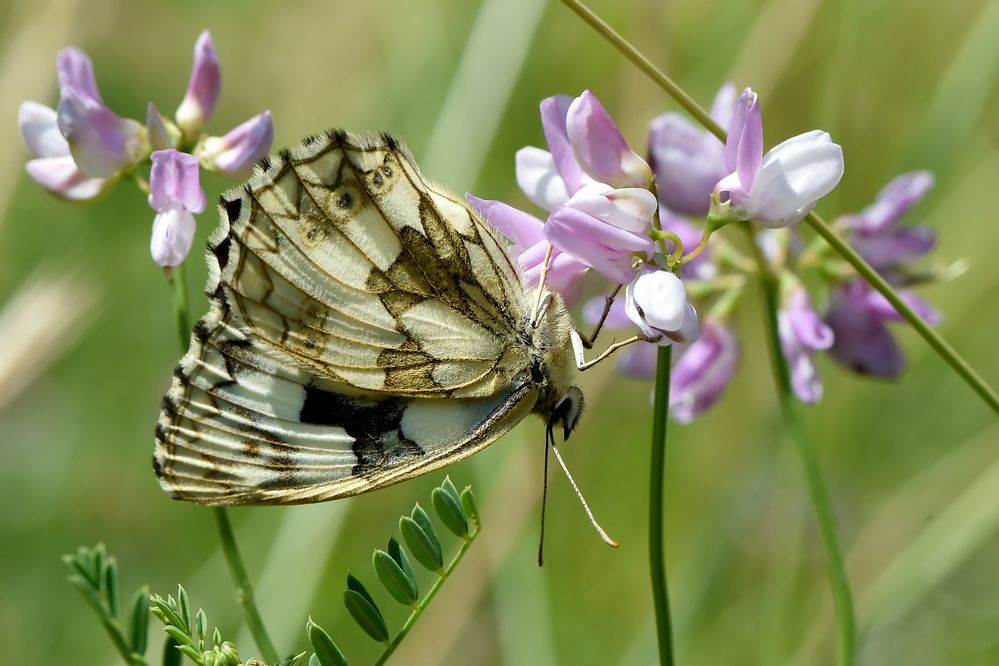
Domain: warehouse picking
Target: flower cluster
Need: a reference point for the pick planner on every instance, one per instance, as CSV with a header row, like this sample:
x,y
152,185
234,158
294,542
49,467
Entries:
x,y
82,148
635,222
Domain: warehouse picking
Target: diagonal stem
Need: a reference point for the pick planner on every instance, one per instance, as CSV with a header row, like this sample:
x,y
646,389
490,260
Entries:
x,y
233,558
657,500
934,339
817,491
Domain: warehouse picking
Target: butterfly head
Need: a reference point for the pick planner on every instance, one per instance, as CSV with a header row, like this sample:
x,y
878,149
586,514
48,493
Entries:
x,y
567,411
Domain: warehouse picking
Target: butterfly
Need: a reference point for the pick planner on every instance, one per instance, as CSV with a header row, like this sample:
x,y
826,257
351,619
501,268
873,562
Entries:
x,y
366,326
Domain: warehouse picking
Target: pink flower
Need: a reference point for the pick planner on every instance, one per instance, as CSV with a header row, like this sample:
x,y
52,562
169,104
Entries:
x,y
802,333
53,167
599,146
781,187
703,372
175,193
235,153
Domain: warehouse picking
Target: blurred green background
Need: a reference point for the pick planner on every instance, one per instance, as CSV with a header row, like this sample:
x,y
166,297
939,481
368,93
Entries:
x,y
87,341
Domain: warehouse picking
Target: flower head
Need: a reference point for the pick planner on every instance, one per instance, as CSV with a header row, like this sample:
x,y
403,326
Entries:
x,y
781,187
175,193
53,167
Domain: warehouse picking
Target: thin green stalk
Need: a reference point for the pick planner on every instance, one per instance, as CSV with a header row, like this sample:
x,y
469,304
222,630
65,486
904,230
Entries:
x,y
244,590
934,339
418,611
657,501
817,491
121,644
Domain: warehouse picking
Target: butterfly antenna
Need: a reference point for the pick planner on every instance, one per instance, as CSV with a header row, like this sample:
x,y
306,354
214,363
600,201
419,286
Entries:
x,y
593,521
549,437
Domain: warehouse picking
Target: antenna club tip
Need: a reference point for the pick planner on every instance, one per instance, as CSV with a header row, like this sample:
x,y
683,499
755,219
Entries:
x,y
613,543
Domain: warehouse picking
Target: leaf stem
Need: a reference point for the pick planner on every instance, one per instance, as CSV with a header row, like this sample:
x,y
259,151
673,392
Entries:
x,y
244,590
934,339
817,491
657,555
418,611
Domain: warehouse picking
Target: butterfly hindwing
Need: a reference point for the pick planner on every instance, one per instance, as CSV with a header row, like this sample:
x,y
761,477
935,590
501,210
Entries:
x,y
365,328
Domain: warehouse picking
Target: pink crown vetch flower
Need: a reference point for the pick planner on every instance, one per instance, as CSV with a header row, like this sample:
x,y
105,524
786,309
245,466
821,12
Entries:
x,y
781,187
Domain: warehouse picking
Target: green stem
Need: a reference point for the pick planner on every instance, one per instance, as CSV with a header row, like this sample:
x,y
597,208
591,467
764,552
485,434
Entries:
x,y
657,501
120,644
418,611
244,590
817,491
934,339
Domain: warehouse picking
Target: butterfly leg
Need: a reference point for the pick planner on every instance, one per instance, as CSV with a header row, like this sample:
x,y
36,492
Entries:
x,y
608,301
541,287
578,347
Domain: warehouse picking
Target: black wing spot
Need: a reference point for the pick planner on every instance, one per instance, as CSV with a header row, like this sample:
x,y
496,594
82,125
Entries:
x,y
264,163
285,154
221,251
309,140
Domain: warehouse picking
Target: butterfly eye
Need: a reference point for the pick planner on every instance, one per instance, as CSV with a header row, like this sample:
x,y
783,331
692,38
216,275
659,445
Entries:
x,y
568,410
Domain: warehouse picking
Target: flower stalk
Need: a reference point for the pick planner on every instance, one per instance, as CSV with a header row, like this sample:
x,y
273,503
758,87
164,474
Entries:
x,y
233,558
821,227
817,492
657,555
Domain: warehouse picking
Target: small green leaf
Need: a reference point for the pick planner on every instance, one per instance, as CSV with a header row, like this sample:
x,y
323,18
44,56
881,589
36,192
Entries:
x,y
357,586
398,554
449,510
79,564
448,487
469,505
216,637
193,654
327,653
200,627
184,607
423,520
138,621
366,614
179,635
399,585
425,548
89,594
172,655
110,578
166,611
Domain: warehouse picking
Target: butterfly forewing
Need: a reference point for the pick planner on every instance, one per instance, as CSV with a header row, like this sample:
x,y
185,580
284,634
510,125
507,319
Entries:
x,y
366,326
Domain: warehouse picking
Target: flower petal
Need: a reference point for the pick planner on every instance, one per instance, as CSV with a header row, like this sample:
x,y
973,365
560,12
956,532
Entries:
x,y
539,179
795,174
894,200
173,234
522,228
235,153
805,322
894,245
599,146
630,208
703,371
61,177
100,141
656,302
40,130
159,137
723,106
202,88
553,113
744,147
76,71
174,182
863,343
687,163
603,247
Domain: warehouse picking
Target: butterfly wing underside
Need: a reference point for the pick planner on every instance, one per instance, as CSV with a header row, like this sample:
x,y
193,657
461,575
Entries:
x,y
364,329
